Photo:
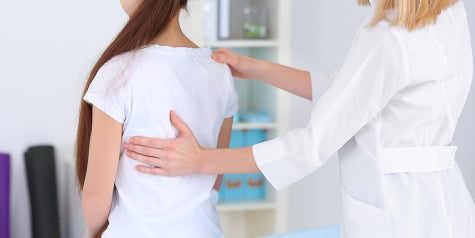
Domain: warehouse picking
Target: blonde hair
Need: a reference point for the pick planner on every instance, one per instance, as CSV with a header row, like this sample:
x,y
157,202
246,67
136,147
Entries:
x,y
412,14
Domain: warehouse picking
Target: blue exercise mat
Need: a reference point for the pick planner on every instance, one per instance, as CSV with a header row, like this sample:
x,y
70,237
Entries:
x,y
318,232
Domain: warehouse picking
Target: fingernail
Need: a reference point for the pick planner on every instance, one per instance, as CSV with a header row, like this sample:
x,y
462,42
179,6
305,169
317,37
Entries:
x,y
126,145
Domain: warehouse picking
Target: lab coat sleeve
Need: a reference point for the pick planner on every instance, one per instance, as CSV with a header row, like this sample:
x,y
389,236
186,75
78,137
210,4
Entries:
x,y
373,72
321,82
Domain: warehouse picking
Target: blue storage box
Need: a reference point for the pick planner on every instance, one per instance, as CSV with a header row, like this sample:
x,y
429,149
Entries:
x,y
254,117
254,187
237,139
232,188
254,136
238,187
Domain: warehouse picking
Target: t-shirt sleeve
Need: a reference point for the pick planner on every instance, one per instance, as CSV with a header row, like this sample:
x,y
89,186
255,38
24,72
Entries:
x,y
109,91
232,104
371,75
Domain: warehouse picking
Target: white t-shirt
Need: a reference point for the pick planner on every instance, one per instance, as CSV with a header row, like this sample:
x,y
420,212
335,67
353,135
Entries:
x,y
138,89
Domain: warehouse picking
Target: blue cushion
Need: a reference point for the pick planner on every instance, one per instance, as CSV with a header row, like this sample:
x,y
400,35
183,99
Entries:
x,y
319,232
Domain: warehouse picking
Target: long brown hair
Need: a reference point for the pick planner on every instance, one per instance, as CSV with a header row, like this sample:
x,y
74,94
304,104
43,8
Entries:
x,y
412,14
149,20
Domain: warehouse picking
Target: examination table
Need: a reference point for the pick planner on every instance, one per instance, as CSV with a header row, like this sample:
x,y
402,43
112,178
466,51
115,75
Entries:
x,y
318,232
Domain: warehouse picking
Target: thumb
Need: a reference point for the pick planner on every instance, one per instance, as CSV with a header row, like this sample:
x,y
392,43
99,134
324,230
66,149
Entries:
x,y
181,127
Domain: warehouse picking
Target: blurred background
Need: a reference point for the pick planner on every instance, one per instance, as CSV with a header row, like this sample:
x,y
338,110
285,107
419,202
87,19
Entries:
x,y
48,47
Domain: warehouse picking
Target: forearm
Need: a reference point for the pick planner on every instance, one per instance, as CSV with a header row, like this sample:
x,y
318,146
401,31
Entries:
x,y
102,164
96,210
295,81
228,161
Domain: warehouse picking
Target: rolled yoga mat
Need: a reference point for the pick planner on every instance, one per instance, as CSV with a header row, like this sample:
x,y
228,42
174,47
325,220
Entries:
x,y
4,195
41,174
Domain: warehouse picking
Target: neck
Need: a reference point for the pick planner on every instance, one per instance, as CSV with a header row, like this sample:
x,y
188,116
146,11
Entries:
x,y
173,36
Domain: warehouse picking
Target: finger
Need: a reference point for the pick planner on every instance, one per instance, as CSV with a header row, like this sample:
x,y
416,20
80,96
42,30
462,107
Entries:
x,y
182,128
224,58
148,160
218,58
149,142
222,51
152,171
144,150
221,58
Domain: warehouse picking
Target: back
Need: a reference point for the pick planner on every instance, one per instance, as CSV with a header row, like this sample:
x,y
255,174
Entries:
x,y
148,84
440,62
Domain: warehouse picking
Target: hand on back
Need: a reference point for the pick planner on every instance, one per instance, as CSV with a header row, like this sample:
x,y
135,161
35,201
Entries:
x,y
241,66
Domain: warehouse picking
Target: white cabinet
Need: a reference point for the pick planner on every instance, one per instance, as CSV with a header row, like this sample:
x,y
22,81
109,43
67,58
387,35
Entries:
x,y
251,218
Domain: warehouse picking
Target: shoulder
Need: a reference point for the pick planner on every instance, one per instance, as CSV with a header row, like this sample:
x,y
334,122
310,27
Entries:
x,y
115,73
381,35
223,68
116,64
127,64
376,48
382,42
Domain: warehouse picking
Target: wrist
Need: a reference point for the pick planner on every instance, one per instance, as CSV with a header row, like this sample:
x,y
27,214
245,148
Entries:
x,y
252,68
249,67
259,69
201,159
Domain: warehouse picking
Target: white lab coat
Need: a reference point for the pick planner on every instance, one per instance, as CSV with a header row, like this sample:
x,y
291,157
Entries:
x,y
391,112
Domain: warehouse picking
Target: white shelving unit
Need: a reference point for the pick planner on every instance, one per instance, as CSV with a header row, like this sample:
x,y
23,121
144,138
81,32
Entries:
x,y
251,219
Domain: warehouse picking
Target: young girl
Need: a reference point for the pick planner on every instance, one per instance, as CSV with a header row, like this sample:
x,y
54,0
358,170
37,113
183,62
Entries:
x,y
149,69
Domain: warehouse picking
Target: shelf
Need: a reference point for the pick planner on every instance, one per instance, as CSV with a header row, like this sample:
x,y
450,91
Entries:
x,y
259,217
245,206
242,43
248,126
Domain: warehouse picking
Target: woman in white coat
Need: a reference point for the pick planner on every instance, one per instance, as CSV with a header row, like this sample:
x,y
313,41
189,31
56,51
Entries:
x,y
390,112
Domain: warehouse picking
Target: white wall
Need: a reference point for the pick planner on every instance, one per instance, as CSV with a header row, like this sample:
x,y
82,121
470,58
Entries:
x,y
322,34
465,134
47,48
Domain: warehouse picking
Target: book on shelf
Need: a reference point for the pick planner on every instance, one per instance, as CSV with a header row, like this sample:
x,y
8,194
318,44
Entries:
x,y
236,20
224,15
210,9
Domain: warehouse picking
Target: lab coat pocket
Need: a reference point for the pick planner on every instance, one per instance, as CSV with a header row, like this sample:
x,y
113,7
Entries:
x,y
464,216
363,220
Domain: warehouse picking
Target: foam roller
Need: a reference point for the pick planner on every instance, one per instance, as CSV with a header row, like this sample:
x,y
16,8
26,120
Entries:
x,y
41,175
